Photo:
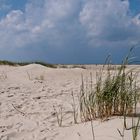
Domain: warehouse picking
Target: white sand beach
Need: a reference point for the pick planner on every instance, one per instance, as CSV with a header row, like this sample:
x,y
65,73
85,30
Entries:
x,y
28,96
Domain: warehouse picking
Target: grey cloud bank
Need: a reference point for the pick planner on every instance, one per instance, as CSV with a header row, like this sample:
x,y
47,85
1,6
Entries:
x,y
69,31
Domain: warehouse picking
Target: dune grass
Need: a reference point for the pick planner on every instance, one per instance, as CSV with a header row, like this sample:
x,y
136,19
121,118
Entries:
x,y
116,92
5,62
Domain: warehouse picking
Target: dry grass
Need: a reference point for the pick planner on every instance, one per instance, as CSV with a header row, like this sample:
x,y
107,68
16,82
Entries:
x,y
3,75
59,115
74,109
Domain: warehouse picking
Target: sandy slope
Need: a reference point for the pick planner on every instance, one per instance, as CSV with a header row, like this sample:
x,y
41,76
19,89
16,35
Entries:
x,y
28,95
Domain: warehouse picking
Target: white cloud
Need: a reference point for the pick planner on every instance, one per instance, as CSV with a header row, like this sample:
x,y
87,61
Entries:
x,y
41,20
57,22
108,22
136,19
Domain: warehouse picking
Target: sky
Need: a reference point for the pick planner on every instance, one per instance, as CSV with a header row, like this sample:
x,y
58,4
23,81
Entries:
x,y
69,31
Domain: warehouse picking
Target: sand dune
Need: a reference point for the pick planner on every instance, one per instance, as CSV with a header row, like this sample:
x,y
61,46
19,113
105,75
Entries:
x,y
28,95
